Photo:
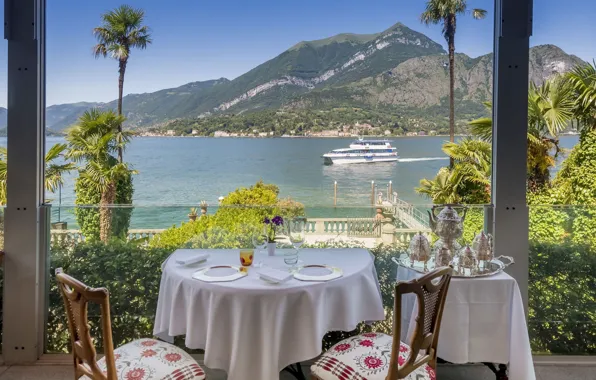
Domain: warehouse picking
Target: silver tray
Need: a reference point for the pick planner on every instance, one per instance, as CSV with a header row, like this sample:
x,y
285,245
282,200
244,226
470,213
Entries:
x,y
495,266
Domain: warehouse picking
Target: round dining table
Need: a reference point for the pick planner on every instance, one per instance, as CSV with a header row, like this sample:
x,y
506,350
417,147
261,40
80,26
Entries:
x,y
253,329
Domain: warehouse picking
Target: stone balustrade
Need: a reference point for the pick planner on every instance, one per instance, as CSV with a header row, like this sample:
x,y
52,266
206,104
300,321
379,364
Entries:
x,y
365,227
325,227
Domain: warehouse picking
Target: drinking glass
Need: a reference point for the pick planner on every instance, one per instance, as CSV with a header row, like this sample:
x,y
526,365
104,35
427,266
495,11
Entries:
x,y
296,230
246,257
259,241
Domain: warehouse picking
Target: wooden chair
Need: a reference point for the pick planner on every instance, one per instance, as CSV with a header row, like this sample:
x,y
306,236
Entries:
x,y
145,359
376,356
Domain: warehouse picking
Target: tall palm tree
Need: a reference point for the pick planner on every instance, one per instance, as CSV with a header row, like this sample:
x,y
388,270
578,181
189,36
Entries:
x,y
93,142
445,12
121,30
54,171
550,110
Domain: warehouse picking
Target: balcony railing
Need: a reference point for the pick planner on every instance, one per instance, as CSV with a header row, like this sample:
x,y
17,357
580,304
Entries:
x,y
77,236
316,227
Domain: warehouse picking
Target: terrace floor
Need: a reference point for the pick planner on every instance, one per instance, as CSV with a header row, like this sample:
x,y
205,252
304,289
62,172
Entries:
x,y
445,372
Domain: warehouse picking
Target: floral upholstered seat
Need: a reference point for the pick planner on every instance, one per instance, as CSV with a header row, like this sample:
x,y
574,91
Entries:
x,y
143,359
365,357
149,359
373,356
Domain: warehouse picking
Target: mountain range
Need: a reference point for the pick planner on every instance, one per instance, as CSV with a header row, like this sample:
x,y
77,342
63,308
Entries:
x,y
399,69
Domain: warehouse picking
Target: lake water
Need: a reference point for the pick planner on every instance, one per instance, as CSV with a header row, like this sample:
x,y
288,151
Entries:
x,y
177,173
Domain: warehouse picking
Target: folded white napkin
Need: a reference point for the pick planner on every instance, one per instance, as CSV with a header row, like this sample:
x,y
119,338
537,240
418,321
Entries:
x,y
192,259
274,275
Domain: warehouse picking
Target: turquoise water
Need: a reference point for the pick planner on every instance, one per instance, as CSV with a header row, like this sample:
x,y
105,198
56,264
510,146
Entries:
x,y
177,173
184,171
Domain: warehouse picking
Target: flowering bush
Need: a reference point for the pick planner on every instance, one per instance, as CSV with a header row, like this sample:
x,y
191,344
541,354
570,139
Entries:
x,y
241,212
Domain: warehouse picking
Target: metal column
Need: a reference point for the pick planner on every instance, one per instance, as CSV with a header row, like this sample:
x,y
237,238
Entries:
x,y
24,289
513,27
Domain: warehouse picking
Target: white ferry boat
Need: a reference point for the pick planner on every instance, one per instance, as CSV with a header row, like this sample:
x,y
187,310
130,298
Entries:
x,y
362,151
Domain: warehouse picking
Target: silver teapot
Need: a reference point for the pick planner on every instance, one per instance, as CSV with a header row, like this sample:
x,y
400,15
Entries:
x,y
447,225
419,249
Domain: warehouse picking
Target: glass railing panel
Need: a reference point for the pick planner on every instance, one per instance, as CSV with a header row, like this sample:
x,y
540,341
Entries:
x,y
2,209
129,263
562,284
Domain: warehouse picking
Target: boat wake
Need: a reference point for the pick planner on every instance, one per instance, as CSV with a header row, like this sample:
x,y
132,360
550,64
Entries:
x,y
422,159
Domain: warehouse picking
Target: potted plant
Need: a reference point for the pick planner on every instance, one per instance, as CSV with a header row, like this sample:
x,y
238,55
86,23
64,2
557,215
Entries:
x,y
203,205
193,214
271,227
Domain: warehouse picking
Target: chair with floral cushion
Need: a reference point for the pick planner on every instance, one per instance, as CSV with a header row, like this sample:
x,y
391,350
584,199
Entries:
x,y
143,359
376,356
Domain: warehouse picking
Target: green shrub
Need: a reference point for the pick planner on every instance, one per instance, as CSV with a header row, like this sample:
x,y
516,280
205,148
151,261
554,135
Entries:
x,y
289,208
473,224
177,237
574,185
562,298
549,223
584,225
132,274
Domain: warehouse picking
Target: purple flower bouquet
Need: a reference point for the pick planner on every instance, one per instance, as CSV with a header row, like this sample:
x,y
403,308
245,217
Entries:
x,y
271,227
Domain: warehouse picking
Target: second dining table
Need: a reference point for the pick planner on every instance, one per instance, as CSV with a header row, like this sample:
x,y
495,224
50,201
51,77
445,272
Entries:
x,y
253,329
483,322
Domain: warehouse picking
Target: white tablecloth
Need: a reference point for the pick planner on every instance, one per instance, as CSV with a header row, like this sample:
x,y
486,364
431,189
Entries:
x,y
252,329
483,321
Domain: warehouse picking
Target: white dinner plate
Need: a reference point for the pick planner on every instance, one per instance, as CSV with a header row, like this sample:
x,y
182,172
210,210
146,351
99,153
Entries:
x,y
317,273
219,273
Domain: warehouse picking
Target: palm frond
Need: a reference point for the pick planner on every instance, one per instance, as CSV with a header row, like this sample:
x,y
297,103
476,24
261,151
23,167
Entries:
x,y
54,172
532,139
583,80
140,38
470,150
482,128
55,151
105,35
556,105
478,14
100,50
441,189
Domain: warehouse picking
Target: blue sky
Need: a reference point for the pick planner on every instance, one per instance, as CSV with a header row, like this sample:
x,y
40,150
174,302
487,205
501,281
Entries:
x,y
200,39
